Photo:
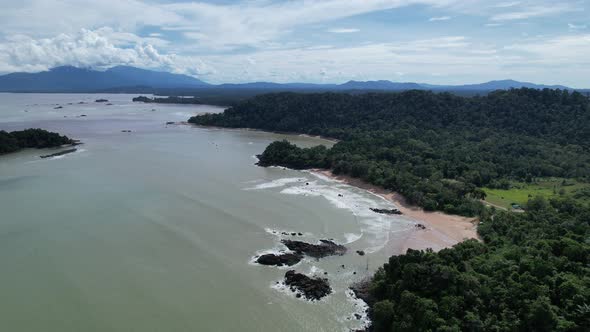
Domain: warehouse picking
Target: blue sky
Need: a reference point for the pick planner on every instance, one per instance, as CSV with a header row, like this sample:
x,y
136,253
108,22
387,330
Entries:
x,y
330,41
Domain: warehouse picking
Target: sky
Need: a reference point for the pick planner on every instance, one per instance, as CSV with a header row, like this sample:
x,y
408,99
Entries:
x,y
329,41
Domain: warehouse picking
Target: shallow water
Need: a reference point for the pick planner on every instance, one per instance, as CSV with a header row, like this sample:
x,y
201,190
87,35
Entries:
x,y
157,229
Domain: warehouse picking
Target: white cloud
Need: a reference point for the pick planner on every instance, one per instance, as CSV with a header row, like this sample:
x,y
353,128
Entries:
x,y
575,27
343,30
533,11
99,48
267,39
507,4
439,18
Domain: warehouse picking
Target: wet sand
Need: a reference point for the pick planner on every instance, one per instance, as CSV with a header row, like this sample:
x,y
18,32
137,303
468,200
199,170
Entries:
x,y
442,230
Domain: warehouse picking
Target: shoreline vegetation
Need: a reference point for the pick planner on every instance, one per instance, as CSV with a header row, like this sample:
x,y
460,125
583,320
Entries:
x,y
34,138
524,271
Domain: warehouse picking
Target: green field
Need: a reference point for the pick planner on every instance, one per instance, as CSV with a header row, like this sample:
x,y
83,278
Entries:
x,y
521,192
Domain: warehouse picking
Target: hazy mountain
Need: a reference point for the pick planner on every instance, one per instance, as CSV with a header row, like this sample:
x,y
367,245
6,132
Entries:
x,y
131,79
379,85
501,85
68,78
385,85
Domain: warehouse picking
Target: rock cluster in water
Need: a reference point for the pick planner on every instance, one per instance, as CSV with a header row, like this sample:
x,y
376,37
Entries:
x,y
61,153
311,288
325,248
386,211
279,260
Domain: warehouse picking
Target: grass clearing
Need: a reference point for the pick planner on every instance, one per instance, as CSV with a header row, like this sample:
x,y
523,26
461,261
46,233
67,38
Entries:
x,y
521,192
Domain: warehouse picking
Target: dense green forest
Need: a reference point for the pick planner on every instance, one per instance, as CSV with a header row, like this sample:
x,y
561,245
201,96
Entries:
x,y
532,270
30,138
532,273
438,150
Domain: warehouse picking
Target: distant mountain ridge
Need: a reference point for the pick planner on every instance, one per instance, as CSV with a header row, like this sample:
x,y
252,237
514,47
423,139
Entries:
x,y
126,78
73,79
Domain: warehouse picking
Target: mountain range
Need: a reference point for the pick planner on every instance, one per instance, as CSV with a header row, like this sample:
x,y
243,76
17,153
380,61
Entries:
x,y
126,78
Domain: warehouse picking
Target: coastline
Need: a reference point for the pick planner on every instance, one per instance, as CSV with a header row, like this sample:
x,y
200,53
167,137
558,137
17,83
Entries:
x,y
442,230
329,139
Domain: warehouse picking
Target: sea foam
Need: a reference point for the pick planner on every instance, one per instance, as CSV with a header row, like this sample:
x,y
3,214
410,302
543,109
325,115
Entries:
x,y
276,183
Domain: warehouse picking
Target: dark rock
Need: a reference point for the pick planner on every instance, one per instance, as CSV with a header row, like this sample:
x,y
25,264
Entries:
x,y
312,288
325,248
300,234
293,234
61,153
58,107
125,131
420,226
343,266
340,195
358,316
360,252
362,290
279,260
101,101
82,115
170,122
386,211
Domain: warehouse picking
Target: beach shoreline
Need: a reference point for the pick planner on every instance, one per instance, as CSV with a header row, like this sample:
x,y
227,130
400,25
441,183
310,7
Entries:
x,y
442,230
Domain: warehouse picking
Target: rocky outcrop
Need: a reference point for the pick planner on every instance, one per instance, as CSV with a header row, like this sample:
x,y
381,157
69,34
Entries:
x,y
386,211
325,248
311,288
362,290
279,260
61,153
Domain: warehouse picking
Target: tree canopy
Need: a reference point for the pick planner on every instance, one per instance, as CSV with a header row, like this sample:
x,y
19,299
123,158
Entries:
x,y
30,138
532,273
438,150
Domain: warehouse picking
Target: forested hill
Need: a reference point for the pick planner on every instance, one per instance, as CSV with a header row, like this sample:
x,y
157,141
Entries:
x,y
30,138
435,149
553,114
531,273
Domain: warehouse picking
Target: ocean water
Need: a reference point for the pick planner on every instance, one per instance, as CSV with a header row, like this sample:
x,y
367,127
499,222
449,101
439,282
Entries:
x,y
158,229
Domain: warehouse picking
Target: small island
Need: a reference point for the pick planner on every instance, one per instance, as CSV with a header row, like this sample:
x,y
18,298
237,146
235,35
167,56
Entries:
x,y
168,100
31,138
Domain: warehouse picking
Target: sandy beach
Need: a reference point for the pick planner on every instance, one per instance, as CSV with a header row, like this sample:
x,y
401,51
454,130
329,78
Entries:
x,y
442,230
